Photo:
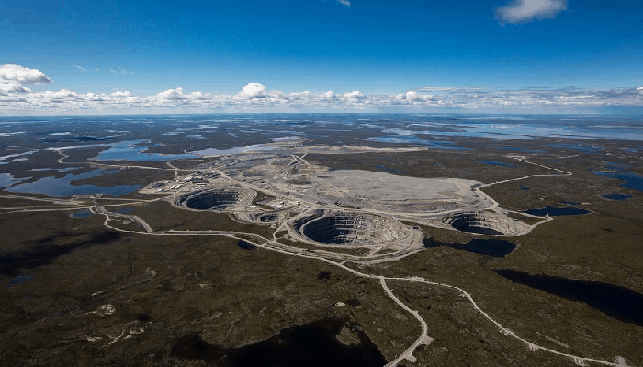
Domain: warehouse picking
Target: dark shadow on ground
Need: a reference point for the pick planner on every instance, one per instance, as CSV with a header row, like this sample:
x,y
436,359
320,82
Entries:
x,y
46,250
312,345
618,302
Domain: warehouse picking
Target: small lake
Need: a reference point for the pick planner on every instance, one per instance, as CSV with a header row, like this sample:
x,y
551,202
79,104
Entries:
x,y
491,247
383,168
581,148
19,279
62,186
618,302
523,150
497,163
6,179
618,197
130,150
632,180
412,139
555,211
85,213
245,245
213,151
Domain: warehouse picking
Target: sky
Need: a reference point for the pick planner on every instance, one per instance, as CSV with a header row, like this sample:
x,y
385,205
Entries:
x,y
113,56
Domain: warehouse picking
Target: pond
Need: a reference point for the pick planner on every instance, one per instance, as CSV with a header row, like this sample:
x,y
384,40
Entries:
x,y
496,163
632,180
58,187
130,150
491,247
85,213
555,211
618,197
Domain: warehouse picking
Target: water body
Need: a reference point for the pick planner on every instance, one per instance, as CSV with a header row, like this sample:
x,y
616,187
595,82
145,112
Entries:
x,y
85,213
411,139
619,197
581,148
632,180
6,179
20,279
555,211
62,186
383,168
523,150
213,151
129,150
490,247
245,245
618,302
68,169
497,163
312,345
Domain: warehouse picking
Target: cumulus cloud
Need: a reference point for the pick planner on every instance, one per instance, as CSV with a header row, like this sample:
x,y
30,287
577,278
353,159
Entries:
x,y
354,94
79,68
12,88
119,94
171,94
253,90
22,75
346,3
16,99
521,11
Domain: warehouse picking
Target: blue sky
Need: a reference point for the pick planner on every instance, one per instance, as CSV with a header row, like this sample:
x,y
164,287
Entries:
x,y
375,47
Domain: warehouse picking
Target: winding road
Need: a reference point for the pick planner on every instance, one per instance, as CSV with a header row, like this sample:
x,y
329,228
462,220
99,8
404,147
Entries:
x,y
335,259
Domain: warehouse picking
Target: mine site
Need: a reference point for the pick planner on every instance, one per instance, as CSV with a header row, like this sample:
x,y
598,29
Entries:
x,y
297,250
338,208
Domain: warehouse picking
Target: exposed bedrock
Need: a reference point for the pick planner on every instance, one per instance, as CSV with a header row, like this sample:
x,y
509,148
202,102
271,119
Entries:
x,y
265,218
217,199
345,228
485,223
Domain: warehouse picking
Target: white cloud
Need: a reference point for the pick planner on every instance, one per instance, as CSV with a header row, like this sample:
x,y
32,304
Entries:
x,y
346,3
328,95
119,94
16,100
354,94
22,75
171,94
253,90
79,68
120,71
12,88
521,11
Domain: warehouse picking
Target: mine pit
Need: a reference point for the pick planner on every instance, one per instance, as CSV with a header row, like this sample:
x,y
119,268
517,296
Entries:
x,y
217,199
353,229
487,223
269,217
